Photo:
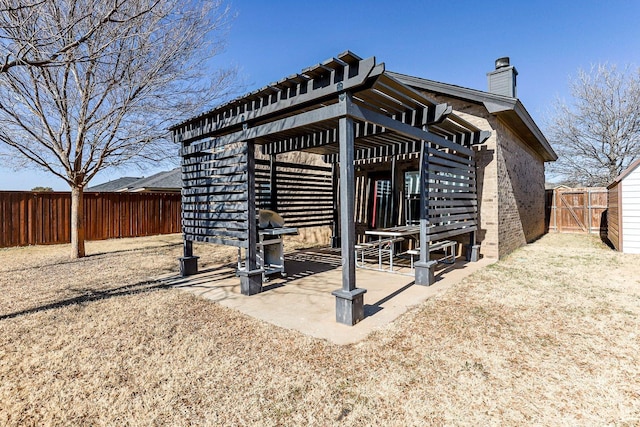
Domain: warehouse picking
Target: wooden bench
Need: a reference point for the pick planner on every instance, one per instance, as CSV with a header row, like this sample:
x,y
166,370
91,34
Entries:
x,y
448,246
377,247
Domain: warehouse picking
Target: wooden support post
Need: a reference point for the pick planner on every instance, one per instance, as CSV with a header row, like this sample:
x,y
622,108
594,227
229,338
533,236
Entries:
x,y
349,299
335,227
188,262
424,269
251,276
273,184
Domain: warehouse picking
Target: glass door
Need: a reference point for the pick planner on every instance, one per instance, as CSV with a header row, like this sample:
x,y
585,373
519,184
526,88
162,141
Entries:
x,y
381,213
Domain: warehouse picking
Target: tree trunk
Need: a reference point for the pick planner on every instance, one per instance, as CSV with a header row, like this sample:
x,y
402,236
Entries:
x,y
77,222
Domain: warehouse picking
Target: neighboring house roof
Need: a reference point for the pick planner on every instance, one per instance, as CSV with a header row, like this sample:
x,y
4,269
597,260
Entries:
x,y
624,173
509,109
120,184
163,181
553,186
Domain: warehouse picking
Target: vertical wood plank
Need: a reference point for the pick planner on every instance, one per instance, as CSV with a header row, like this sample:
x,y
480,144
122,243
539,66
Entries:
x,y
273,181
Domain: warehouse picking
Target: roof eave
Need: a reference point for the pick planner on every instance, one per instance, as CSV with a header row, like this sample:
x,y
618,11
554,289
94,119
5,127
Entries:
x,y
547,152
624,173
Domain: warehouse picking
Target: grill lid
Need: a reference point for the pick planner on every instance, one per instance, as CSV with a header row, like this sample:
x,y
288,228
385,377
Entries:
x,y
269,219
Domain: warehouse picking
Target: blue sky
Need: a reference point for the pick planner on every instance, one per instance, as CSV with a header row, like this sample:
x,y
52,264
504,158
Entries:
x,y
450,41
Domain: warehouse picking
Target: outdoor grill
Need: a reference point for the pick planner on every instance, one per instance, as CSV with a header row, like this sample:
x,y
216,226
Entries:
x,y
270,246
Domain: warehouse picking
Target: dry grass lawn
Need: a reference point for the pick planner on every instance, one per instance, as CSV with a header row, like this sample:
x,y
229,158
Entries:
x,y
548,336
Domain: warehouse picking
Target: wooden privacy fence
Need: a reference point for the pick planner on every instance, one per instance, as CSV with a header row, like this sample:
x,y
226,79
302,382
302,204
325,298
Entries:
x,y
577,210
37,218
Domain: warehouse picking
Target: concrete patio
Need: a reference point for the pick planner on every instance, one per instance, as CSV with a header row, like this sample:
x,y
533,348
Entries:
x,y
302,301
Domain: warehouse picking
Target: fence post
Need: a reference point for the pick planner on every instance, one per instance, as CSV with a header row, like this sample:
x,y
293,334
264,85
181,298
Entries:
x,y
589,210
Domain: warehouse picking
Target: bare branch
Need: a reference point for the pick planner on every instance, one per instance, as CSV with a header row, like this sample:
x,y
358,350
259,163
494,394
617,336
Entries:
x,y
91,84
34,55
598,135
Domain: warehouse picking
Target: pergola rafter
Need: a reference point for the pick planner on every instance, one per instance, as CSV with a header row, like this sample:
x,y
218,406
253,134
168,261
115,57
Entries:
x,y
348,110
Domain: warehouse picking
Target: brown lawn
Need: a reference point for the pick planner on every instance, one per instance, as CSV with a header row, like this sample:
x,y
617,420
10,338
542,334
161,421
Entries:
x,y
547,336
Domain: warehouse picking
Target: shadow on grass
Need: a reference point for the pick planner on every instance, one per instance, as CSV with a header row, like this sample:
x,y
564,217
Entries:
x,y
89,257
91,296
119,251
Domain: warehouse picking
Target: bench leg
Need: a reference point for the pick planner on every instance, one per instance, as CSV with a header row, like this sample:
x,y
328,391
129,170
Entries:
x,y
449,253
361,257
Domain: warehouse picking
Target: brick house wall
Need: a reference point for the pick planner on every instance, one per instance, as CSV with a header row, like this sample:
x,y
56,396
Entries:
x,y
520,192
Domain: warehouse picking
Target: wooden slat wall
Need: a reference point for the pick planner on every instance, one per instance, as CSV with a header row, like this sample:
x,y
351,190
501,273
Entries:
x,y
613,217
304,193
40,218
215,196
452,193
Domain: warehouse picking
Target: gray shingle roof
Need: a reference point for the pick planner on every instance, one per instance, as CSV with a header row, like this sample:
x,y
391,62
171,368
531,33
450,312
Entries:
x,y
168,180
120,184
162,181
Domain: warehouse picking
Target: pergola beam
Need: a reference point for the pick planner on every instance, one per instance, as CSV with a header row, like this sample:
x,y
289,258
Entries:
x,y
261,103
403,128
288,123
385,150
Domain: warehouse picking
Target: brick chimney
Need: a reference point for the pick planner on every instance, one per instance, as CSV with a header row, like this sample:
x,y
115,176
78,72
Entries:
x,y
502,81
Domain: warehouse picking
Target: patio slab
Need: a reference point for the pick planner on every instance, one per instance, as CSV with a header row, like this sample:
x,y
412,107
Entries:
x,y
302,301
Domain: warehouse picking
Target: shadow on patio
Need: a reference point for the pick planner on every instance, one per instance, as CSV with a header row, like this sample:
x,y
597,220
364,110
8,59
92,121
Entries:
x,y
302,301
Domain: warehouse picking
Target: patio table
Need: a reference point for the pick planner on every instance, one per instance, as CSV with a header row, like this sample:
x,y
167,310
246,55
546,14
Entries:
x,y
398,232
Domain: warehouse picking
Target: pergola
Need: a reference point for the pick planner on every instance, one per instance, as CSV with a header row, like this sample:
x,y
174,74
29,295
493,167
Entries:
x,y
348,110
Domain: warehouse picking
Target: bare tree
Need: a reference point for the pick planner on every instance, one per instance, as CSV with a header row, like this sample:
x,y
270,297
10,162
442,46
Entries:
x,y
598,135
92,84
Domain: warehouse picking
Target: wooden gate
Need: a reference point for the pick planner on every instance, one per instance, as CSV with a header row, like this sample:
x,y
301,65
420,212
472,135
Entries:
x,y
577,210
